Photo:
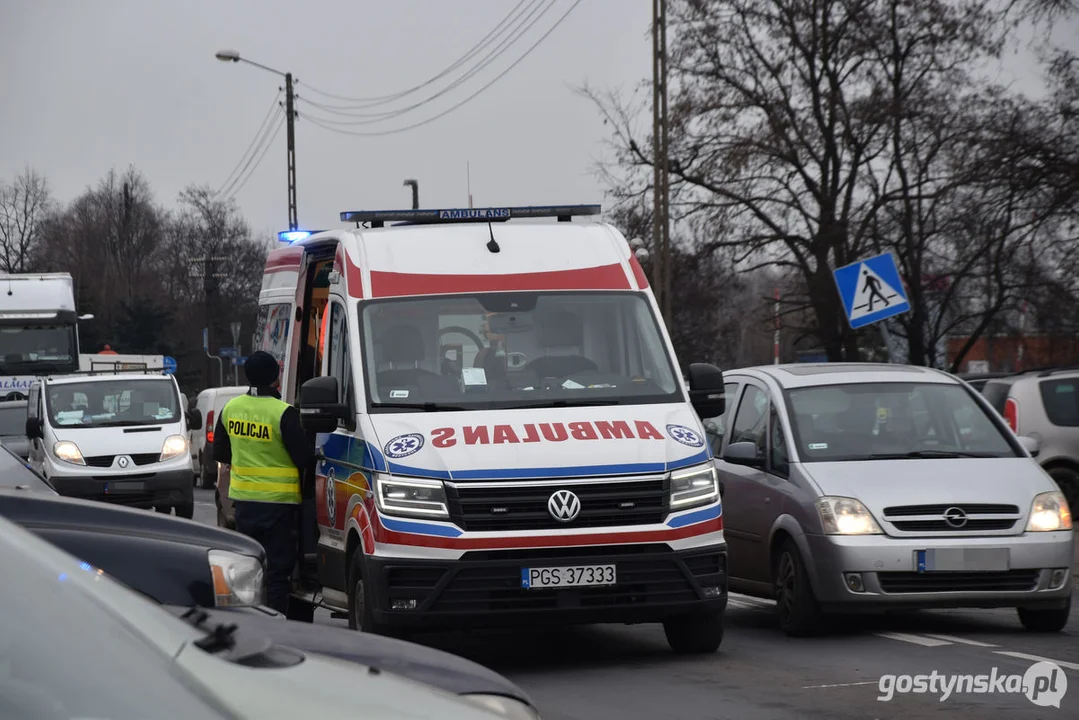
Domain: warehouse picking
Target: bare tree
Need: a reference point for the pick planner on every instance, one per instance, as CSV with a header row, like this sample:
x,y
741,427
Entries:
x,y
24,204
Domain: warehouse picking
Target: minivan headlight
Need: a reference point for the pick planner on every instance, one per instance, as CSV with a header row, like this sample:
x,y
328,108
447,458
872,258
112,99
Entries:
x,y
846,516
694,486
414,497
173,446
238,579
1049,512
68,452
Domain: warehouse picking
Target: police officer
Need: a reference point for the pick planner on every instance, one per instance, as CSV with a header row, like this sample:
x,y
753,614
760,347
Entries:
x,y
260,437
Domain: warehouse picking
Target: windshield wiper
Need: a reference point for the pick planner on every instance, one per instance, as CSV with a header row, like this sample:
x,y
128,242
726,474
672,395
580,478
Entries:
x,y
218,637
567,403
931,454
425,406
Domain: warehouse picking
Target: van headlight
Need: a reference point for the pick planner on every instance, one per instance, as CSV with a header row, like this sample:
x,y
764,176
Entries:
x,y
68,452
173,446
1049,512
505,706
413,497
695,486
238,579
846,516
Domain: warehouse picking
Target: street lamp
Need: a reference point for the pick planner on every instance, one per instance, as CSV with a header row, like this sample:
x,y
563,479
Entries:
x,y
290,115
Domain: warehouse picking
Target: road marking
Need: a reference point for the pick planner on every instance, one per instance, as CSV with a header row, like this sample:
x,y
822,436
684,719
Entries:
x,y
839,685
964,641
1038,658
914,639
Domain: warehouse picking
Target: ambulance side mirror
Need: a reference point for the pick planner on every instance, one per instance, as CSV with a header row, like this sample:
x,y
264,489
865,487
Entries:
x,y
320,405
706,390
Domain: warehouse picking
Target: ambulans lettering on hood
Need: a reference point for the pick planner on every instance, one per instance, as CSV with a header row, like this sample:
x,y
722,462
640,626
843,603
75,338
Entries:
x,y
560,432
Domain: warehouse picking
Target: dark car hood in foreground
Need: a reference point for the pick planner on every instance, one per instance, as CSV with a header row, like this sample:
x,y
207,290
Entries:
x,y
416,662
38,510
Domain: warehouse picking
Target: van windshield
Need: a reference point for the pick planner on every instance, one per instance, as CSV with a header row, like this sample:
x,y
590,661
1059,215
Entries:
x,y
123,401
871,421
512,350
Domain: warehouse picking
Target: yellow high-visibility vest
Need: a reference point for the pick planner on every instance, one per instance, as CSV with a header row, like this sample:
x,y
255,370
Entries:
x,y
262,469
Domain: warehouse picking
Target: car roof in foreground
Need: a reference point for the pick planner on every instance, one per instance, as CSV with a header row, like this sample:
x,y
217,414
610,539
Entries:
x,y
799,375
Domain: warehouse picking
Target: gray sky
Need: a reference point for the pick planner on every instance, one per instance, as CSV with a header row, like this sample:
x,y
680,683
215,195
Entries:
x,y
87,86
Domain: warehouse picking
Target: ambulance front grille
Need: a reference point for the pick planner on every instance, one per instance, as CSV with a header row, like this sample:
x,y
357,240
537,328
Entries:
x,y
522,505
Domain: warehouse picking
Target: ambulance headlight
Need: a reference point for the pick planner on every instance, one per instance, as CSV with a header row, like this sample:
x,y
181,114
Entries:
x,y
414,497
694,486
238,579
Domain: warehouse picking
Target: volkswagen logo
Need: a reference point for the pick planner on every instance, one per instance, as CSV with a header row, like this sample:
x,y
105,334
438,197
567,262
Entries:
x,y
564,506
955,517
123,462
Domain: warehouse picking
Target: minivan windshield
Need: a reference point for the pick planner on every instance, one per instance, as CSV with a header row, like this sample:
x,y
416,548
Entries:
x,y
120,401
512,350
869,421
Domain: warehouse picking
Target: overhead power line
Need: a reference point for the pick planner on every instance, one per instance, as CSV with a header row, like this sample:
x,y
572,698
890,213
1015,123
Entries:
x,y
238,184
254,140
381,99
489,58
376,133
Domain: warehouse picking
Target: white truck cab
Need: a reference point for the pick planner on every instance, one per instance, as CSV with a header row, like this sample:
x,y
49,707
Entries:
x,y
115,437
504,435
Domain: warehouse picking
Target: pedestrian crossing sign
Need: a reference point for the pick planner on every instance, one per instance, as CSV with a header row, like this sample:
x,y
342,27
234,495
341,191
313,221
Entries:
x,y
871,290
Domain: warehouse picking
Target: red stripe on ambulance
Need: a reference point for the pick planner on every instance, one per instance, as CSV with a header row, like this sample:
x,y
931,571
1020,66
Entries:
x,y
395,284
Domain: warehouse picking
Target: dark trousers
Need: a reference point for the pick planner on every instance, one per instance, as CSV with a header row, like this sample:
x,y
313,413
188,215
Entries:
x,y
276,527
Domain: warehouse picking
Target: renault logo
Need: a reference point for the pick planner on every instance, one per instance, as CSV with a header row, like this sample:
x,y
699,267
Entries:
x,y
123,462
955,517
564,506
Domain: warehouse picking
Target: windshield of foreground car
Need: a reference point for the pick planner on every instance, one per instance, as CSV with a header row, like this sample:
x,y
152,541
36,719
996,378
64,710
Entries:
x,y
63,654
510,350
868,421
123,401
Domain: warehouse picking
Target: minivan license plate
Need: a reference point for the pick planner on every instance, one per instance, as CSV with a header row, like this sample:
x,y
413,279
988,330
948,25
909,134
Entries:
x,y
962,560
574,576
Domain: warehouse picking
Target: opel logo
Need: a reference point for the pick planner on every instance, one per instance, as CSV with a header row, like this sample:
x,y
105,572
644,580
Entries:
x,y
955,517
123,462
564,506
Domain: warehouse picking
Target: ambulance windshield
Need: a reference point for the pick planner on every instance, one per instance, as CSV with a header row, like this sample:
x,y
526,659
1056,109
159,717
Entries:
x,y
511,350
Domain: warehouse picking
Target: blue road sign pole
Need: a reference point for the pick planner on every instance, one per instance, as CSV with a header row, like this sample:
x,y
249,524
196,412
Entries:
x,y
871,290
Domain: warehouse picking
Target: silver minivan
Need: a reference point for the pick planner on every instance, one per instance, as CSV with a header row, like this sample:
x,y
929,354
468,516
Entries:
x,y
865,487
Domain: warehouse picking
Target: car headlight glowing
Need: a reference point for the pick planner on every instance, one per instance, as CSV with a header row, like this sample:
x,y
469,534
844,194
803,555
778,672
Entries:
x,y
505,706
414,497
173,446
1049,512
238,579
68,452
846,516
694,486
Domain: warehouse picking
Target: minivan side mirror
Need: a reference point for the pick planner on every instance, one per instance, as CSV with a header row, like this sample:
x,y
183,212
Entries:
x,y
743,453
1031,445
194,419
706,389
35,429
320,406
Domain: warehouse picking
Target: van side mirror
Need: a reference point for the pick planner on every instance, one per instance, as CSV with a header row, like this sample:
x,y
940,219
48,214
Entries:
x,y
743,453
35,429
194,419
706,389
1031,445
320,405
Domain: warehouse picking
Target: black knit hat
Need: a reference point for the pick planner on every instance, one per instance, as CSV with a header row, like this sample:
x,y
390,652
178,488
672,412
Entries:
x,y
261,369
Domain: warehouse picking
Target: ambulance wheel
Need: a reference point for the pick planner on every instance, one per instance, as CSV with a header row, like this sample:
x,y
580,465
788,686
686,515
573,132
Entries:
x,y
360,610
694,634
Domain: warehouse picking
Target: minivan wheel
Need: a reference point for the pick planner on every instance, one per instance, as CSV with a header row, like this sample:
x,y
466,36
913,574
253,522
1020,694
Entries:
x,y
1068,482
1046,621
799,613
694,634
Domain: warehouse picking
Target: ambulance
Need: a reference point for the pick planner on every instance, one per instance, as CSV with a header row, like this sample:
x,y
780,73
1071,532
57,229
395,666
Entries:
x,y
504,436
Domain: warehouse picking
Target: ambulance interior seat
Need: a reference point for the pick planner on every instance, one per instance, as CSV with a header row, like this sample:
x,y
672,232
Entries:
x,y
558,332
402,345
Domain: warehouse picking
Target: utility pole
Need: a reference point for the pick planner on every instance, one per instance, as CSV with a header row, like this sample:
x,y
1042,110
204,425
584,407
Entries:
x,y
415,193
210,274
662,277
290,118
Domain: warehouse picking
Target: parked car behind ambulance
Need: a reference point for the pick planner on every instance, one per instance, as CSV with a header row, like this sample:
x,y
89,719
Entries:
x,y
506,437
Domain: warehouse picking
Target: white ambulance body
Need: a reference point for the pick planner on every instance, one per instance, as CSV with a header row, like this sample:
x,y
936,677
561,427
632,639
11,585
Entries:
x,y
505,437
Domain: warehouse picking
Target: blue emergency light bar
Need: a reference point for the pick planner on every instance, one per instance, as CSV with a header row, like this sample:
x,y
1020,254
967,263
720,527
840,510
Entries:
x,y
291,236
378,218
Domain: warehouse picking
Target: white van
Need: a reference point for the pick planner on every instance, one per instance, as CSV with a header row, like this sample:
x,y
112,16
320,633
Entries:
x,y
117,438
209,404
504,434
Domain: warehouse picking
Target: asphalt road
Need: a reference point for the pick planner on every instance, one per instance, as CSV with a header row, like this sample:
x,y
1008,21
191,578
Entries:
x,y
627,672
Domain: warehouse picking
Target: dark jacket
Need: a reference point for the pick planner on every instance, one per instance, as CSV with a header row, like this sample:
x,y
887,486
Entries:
x,y
292,435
